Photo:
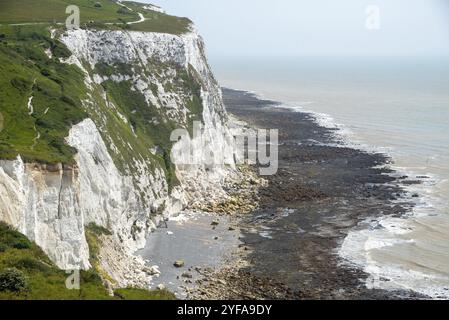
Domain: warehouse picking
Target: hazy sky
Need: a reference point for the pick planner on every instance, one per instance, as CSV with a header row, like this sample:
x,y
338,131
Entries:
x,y
318,27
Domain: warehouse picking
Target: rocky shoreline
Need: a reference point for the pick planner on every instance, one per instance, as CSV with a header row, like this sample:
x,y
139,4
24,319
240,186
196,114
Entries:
x,y
289,244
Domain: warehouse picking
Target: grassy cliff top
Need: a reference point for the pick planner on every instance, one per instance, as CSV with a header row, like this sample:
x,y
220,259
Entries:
x,y
107,14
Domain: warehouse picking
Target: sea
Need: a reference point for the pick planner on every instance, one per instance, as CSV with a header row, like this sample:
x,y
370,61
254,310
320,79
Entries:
x,y
394,105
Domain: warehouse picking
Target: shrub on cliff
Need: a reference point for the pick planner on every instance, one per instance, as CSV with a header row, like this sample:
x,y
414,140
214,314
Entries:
x,y
9,238
13,280
30,264
123,10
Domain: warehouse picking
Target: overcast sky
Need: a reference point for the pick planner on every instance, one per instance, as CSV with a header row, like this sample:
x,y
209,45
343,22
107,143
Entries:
x,y
319,27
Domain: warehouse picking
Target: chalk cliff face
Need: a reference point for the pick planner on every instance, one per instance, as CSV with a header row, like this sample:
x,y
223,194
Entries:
x,y
139,87
43,203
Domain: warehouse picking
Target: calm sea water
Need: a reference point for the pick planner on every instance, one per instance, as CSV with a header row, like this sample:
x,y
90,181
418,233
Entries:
x,y
395,105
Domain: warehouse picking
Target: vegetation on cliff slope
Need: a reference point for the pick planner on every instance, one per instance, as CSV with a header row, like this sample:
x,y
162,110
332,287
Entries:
x,y
27,273
40,97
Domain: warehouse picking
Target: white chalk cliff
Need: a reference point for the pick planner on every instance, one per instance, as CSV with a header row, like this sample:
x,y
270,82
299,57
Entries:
x,y
113,183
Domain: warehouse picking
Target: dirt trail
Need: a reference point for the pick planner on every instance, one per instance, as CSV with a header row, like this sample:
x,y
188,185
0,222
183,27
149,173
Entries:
x,y
1,122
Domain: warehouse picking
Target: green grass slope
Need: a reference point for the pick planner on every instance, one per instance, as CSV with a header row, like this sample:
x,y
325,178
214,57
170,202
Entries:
x,y
44,281
57,90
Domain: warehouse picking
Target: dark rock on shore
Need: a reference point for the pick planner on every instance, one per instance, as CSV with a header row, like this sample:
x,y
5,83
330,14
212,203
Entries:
x,y
179,264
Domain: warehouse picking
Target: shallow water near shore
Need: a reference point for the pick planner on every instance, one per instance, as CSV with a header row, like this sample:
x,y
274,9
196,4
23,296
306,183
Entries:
x,y
400,108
